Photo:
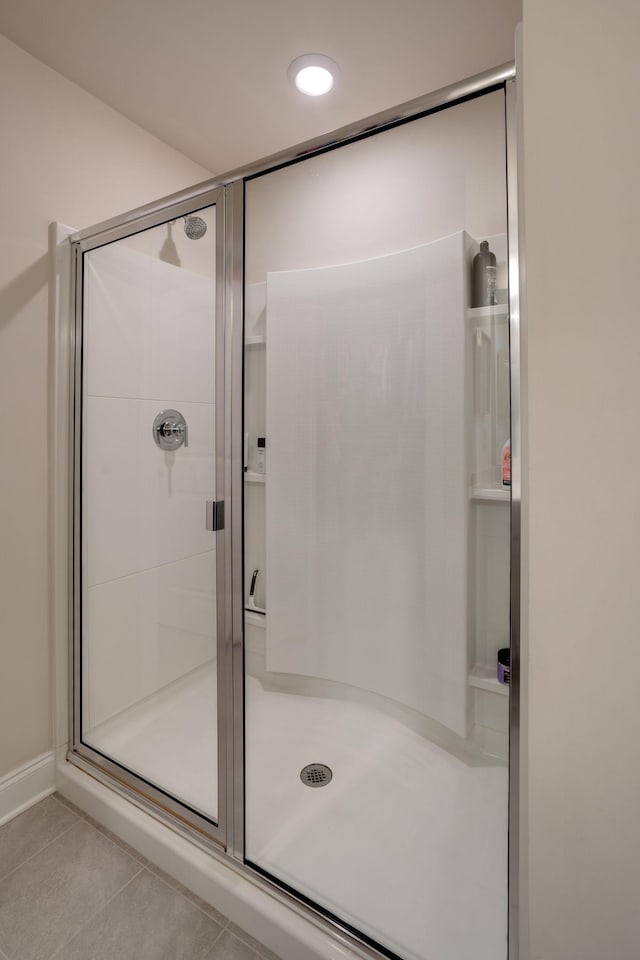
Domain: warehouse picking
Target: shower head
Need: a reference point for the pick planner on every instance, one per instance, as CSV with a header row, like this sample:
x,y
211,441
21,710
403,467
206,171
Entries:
x,y
194,227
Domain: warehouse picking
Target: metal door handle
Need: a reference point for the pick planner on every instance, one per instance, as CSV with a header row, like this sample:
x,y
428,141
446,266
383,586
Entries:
x,y
214,519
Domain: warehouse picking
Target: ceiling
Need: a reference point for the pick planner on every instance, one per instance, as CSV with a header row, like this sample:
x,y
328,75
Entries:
x,y
209,76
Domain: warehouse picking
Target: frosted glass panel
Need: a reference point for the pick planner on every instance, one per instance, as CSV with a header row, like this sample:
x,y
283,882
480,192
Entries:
x,y
149,565
376,588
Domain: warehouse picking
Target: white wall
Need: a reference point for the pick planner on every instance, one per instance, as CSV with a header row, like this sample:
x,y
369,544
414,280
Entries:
x,y
582,208
420,182
65,156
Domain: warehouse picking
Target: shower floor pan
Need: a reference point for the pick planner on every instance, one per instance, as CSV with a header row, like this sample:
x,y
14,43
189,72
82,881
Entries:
x,y
407,843
170,739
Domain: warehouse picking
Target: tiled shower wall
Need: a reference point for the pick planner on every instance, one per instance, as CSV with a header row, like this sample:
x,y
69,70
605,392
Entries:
x,y
149,561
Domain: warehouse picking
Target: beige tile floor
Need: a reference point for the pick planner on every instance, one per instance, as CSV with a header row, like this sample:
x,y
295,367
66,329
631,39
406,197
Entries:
x,y
70,890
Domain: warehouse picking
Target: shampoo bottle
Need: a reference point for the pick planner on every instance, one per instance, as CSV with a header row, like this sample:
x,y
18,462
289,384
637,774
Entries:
x,y
483,287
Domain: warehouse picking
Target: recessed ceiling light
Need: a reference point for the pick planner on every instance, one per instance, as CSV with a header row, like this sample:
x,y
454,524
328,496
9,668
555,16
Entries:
x,y
313,74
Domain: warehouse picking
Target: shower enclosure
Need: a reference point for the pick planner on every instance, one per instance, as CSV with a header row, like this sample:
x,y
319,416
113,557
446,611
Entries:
x,y
294,552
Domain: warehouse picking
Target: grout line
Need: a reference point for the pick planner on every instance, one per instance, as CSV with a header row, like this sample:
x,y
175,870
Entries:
x,y
169,881
67,805
136,856
195,403
165,878
151,868
48,844
209,954
221,932
157,566
253,945
96,912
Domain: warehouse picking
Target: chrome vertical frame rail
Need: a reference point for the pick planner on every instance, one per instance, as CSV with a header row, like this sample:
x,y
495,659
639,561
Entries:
x,y
234,283
81,753
75,499
222,493
515,732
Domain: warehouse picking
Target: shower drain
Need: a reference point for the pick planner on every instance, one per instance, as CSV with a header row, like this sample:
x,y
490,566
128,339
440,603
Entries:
x,y
316,775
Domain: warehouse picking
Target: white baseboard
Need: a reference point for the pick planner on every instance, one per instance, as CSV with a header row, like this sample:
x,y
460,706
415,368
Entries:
x,y
23,787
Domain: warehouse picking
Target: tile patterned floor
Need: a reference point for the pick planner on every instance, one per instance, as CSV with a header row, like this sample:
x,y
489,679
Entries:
x,y
71,890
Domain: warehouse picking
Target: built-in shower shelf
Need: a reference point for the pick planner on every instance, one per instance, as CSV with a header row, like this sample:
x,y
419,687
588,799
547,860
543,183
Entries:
x,y
251,477
491,491
483,678
500,311
255,341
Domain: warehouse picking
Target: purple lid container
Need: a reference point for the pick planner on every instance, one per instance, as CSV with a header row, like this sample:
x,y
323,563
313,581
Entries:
x,y
504,665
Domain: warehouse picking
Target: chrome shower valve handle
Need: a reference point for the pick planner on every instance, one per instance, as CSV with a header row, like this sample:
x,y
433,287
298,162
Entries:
x,y
170,430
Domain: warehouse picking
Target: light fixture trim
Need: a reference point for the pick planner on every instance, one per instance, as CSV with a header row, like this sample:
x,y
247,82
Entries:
x,y
313,74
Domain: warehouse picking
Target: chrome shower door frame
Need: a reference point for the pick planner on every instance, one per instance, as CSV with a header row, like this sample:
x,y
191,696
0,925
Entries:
x,y
502,78
80,753
227,191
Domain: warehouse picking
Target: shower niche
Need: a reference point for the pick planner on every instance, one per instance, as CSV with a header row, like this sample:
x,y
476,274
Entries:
x,y
490,532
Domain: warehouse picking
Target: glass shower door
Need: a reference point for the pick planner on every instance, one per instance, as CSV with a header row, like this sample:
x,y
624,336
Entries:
x,y
146,613
376,598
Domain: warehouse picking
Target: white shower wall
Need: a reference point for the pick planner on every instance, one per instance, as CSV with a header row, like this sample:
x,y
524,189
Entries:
x,y
150,563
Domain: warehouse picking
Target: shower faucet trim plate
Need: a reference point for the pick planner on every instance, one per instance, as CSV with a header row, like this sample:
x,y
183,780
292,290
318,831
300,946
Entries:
x,y
170,430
